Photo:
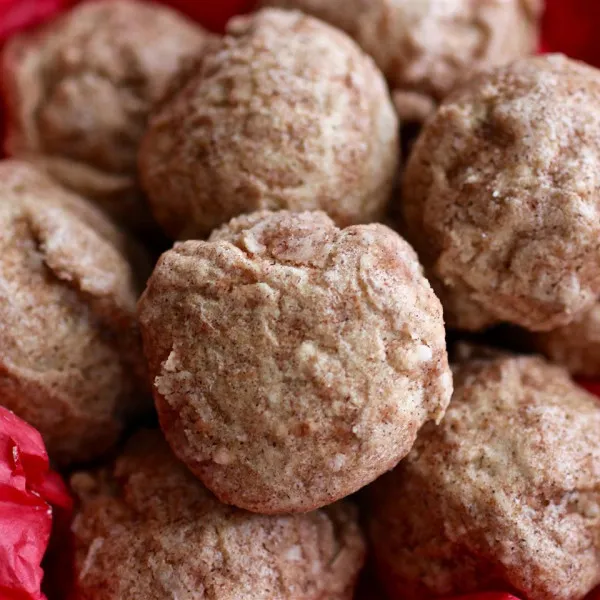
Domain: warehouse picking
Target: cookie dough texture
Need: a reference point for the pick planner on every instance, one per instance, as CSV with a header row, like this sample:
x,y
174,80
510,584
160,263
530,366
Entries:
x,y
504,493
501,200
149,530
293,362
79,91
70,359
424,47
284,113
575,346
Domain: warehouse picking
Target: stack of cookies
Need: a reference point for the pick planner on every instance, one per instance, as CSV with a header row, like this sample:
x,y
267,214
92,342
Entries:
x,y
245,415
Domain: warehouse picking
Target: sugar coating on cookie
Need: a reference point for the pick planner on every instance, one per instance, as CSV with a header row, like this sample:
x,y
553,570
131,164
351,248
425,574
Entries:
x,y
285,112
425,47
500,196
148,529
79,91
69,346
293,362
505,493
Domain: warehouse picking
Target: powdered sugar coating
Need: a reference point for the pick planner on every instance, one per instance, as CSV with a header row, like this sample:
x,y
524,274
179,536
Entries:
x,y
503,494
293,362
69,347
501,200
148,529
80,89
284,112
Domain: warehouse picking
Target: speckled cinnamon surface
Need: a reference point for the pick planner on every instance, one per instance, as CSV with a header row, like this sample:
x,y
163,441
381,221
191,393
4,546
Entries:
x,y
293,362
70,354
79,91
505,493
500,196
149,530
285,112
425,47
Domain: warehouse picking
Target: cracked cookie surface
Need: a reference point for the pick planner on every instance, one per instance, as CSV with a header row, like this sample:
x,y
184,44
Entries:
x,y
293,362
69,346
504,494
501,196
134,518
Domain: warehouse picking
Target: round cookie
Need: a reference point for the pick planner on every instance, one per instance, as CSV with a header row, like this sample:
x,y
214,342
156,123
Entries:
x,y
79,91
70,354
293,362
425,47
504,494
284,113
500,196
134,518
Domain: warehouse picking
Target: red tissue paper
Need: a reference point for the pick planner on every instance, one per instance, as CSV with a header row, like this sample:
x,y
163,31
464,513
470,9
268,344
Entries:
x,y
28,491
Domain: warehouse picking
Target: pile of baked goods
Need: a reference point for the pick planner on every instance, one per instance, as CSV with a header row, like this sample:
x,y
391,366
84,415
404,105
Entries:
x,y
287,388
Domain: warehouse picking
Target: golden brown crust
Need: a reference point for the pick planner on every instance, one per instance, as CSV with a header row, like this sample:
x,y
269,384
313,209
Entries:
x,y
576,346
284,113
80,89
427,46
504,493
500,196
69,346
301,359
149,530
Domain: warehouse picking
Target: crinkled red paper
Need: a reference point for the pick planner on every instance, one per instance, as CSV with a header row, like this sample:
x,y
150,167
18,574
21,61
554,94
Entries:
x,y
26,485
27,490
